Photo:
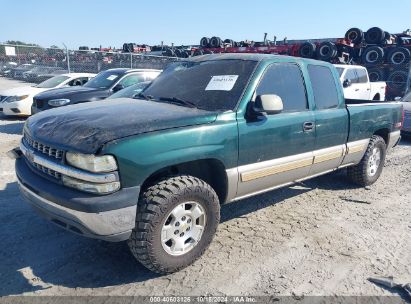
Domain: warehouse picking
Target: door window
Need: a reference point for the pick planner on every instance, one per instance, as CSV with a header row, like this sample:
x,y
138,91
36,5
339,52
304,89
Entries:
x,y
351,75
324,87
362,75
78,81
131,79
286,81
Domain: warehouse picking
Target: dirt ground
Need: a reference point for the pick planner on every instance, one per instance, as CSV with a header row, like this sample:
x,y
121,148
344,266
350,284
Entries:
x,y
323,237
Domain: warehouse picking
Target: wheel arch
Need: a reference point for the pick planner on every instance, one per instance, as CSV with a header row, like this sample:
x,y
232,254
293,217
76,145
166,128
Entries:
x,y
377,97
384,133
210,170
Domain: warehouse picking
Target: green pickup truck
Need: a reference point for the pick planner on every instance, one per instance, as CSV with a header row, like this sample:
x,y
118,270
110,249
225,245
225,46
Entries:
x,y
209,130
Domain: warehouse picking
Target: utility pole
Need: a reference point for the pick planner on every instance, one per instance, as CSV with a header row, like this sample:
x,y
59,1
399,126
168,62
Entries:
x,y
68,58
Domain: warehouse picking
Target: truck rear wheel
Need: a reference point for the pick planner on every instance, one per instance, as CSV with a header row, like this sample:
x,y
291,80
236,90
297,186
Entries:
x,y
369,169
176,222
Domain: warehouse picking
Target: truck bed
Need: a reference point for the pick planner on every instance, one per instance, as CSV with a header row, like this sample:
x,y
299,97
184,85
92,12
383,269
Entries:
x,y
366,116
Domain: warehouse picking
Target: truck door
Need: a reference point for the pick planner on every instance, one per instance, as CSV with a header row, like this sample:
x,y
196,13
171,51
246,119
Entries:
x,y
277,149
353,91
364,83
331,120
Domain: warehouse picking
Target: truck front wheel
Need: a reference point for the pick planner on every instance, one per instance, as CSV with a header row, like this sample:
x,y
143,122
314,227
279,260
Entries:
x,y
176,222
369,169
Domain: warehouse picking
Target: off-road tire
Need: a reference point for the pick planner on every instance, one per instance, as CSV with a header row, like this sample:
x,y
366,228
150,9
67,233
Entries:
x,y
307,50
359,173
374,35
373,55
154,205
355,35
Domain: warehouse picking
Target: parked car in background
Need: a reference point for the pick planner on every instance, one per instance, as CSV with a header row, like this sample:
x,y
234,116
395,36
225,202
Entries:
x,y
131,91
6,68
356,83
406,103
219,128
42,73
102,86
18,101
17,73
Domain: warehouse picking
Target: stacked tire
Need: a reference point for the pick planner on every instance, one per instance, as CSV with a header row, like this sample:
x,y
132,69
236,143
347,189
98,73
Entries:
x,y
175,52
213,43
386,57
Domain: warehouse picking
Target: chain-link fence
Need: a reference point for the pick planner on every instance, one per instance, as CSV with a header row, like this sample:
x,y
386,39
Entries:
x,y
387,61
35,64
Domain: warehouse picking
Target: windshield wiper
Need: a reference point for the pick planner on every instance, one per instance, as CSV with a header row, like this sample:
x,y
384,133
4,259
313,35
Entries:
x,y
179,101
146,97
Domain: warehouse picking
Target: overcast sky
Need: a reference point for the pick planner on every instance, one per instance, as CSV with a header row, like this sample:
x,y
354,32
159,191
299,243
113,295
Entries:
x,y
111,23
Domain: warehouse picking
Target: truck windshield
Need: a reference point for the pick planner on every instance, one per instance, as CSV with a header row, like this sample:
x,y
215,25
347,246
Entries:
x,y
103,80
214,85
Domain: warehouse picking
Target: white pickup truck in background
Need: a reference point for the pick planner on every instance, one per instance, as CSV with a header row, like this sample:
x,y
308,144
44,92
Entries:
x,y
357,85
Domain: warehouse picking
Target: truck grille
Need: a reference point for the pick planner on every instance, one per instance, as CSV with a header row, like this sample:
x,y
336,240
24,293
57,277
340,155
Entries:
x,y
50,151
407,120
47,171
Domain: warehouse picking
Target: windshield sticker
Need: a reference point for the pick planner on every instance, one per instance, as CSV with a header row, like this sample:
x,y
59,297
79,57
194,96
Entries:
x,y
222,83
112,77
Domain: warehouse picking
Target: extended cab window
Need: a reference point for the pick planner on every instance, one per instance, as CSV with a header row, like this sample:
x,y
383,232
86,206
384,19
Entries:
x,y
362,75
324,87
286,81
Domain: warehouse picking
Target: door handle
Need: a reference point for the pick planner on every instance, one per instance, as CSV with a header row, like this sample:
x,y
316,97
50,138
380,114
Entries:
x,y
308,126
357,90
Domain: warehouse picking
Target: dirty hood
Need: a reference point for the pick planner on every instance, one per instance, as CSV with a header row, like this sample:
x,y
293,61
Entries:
x,y
86,127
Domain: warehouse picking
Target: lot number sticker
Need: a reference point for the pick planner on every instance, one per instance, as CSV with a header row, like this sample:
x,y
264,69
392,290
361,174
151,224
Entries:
x,y
222,83
112,77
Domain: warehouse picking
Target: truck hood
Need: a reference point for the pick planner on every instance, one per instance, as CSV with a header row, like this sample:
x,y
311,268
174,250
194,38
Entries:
x,y
67,92
86,127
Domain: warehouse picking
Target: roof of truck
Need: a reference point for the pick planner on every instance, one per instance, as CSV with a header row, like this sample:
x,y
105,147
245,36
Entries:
x,y
238,56
254,57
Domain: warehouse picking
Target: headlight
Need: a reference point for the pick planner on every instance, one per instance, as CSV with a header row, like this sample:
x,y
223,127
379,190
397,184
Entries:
x,y
15,98
90,162
90,187
58,102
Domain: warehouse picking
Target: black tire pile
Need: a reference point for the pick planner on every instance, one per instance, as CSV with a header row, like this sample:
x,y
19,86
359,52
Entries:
x,y
386,56
216,42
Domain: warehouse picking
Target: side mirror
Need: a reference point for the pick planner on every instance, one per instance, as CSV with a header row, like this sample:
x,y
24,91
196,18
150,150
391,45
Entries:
x,y
118,87
398,98
269,104
347,83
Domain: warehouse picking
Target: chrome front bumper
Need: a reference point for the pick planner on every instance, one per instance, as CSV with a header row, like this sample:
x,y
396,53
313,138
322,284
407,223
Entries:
x,y
113,225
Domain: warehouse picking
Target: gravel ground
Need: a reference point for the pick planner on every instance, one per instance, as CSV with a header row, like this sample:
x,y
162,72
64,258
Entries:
x,y
323,237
